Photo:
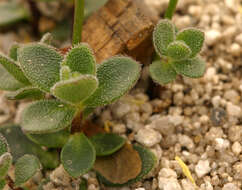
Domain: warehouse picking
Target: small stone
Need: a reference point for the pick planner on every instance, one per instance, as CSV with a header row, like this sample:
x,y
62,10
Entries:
x,y
212,37
202,168
186,141
221,144
233,110
167,173
218,116
187,185
235,49
140,188
235,133
206,186
176,119
236,148
119,128
121,109
169,184
210,73
232,95
230,186
163,125
216,101
148,137
238,39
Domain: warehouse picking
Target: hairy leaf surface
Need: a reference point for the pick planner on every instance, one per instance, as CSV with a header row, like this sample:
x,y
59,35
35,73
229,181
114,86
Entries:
x,y
75,90
178,50
161,72
116,77
47,116
5,163
41,64
194,38
193,68
25,168
163,35
81,59
106,144
78,155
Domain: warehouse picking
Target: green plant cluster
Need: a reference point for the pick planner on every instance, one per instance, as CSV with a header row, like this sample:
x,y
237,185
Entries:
x,y
25,167
64,87
178,52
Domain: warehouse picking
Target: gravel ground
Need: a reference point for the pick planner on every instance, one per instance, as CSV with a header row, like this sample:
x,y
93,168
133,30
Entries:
x,y
198,120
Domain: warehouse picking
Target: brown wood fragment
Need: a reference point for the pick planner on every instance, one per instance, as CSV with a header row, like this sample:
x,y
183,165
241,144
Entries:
x,y
121,27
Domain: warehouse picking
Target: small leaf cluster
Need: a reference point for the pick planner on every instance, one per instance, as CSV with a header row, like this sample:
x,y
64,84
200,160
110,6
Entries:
x,y
178,52
75,84
25,167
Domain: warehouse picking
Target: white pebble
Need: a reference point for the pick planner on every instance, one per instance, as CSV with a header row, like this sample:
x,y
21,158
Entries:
x,y
187,185
212,36
216,101
230,186
169,184
235,49
148,137
221,144
202,168
233,110
163,125
236,148
167,173
238,39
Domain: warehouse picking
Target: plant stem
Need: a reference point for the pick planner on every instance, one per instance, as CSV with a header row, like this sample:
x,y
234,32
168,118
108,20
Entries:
x,y
171,9
78,21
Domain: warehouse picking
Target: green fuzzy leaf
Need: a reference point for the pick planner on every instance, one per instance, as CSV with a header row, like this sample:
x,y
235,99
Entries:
x,y
8,82
41,65
5,163
81,59
161,72
178,50
26,93
12,12
106,144
78,155
13,52
20,145
193,68
2,184
25,168
13,69
194,38
163,35
116,77
50,140
75,90
4,147
47,39
47,116
65,73
148,161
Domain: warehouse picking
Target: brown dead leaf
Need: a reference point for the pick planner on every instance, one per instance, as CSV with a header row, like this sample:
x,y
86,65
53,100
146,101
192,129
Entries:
x,y
90,129
121,166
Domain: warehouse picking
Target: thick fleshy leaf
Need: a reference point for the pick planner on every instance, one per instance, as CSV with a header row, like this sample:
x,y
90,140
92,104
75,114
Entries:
x,y
4,147
65,73
75,90
178,50
12,12
8,82
116,76
25,168
47,39
13,69
41,64
106,144
47,116
162,73
50,140
193,37
13,52
5,163
20,145
163,35
81,59
121,166
148,161
193,68
78,155
26,93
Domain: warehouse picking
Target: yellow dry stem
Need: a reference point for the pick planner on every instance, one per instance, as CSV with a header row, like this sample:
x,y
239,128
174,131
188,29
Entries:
x,y
185,170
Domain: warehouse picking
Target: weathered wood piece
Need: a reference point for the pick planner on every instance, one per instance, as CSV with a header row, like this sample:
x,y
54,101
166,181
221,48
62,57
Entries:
x,y
121,27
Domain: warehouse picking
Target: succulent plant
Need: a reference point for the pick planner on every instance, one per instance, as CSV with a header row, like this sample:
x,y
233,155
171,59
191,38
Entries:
x,y
178,52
